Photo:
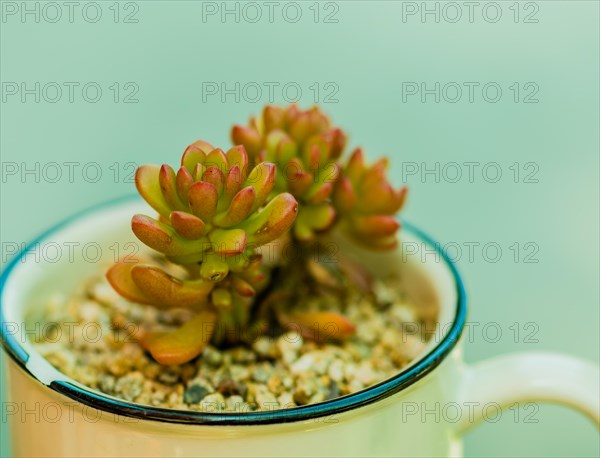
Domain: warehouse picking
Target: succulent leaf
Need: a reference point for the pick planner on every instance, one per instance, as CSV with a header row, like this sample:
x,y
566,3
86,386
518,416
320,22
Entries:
x,y
344,196
250,138
167,291
195,153
233,182
217,158
214,268
163,238
183,181
203,198
237,157
184,344
242,287
148,185
119,277
320,326
228,241
221,298
273,221
376,225
313,218
187,225
167,179
274,118
213,175
239,209
262,179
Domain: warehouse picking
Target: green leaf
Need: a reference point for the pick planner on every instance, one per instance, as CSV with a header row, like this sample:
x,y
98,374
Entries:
x,y
262,179
148,185
228,242
237,156
214,268
217,158
195,154
221,298
273,221
313,218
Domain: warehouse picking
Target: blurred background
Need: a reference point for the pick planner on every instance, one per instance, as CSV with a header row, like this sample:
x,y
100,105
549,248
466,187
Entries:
x,y
489,111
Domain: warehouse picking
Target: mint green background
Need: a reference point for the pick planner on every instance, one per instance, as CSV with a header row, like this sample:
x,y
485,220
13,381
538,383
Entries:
x,y
368,54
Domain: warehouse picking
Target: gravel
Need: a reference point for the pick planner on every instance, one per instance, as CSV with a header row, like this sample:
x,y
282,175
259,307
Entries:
x,y
272,373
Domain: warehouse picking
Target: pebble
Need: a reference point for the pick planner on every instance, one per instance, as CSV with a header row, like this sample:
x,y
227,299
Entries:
x,y
265,347
305,389
104,293
130,386
212,403
365,374
152,370
404,314
229,387
334,390
90,311
194,394
242,355
289,345
119,366
303,364
106,382
286,400
385,294
275,385
336,371
265,399
170,375
236,403
261,375
413,347
239,372
211,356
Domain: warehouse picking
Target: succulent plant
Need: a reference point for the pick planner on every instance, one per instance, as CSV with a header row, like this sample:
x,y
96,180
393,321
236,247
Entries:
x,y
367,203
213,215
307,151
305,148
283,184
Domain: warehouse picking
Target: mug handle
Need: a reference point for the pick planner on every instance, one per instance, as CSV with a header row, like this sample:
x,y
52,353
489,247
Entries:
x,y
530,376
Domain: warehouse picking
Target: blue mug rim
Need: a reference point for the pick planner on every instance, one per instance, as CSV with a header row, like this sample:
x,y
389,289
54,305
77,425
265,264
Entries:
x,y
370,395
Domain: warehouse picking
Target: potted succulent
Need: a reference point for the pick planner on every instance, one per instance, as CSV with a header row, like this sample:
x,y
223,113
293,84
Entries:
x,y
271,312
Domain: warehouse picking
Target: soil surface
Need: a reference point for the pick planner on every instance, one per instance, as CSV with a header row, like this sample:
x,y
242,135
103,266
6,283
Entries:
x,y
89,338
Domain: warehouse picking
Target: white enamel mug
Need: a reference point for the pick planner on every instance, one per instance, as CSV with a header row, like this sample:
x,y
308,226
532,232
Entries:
x,y
50,414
